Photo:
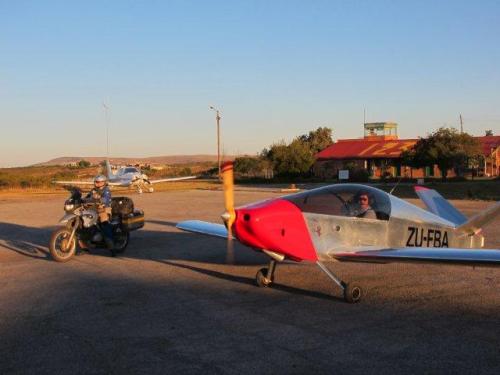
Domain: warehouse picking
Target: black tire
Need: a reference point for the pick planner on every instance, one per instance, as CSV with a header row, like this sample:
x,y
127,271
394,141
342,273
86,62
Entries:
x,y
58,246
261,279
121,239
352,293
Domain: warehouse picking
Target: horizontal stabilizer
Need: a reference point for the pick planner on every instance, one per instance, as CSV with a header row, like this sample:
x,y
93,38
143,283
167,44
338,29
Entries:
x,y
486,257
475,223
439,206
203,227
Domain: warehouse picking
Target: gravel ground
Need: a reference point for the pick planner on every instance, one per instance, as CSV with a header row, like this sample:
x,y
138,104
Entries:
x,y
172,304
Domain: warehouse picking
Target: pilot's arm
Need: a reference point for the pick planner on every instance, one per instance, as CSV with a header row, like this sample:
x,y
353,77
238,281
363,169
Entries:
x,y
368,214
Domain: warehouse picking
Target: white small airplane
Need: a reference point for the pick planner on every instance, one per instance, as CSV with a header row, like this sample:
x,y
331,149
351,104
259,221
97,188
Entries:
x,y
351,222
128,177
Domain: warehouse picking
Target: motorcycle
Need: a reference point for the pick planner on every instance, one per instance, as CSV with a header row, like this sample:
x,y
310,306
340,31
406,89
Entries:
x,y
82,226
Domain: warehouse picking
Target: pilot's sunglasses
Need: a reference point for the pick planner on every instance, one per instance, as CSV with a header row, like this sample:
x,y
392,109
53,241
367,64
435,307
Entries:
x,y
363,199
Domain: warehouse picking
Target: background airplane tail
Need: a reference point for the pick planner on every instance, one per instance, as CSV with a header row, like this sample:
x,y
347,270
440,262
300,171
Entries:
x,y
439,206
109,172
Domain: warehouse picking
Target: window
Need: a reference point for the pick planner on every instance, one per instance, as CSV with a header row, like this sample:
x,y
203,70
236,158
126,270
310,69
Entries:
x,y
345,200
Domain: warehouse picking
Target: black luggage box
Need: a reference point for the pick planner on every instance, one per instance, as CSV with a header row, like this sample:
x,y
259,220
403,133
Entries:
x,y
134,220
122,206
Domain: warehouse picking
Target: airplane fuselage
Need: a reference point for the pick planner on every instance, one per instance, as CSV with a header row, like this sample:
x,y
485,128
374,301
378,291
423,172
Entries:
x,y
317,224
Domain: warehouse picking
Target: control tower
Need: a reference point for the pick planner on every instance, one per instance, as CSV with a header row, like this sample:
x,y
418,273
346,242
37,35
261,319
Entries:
x,y
381,130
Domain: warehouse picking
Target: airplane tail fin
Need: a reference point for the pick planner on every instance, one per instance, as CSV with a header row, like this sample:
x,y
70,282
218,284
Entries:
x,y
475,223
439,206
109,172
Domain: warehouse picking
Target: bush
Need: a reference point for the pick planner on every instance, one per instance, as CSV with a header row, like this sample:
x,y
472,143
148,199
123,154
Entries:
x,y
83,164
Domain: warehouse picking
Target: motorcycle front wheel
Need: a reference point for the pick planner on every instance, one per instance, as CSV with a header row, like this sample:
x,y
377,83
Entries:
x,y
60,248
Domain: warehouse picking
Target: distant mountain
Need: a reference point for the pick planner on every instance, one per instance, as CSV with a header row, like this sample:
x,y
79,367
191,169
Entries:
x,y
153,160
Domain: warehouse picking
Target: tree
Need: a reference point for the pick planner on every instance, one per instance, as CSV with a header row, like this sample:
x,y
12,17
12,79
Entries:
x,y
488,132
318,139
289,160
248,165
446,148
297,157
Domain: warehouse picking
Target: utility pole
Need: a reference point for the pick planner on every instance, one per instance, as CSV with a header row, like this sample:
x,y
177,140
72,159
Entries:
x,y
106,120
461,124
217,120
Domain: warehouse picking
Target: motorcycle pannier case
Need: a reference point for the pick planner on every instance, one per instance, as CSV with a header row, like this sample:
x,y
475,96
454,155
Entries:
x,y
122,206
133,221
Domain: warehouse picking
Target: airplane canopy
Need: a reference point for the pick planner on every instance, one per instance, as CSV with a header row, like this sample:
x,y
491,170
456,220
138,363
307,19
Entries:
x,y
342,200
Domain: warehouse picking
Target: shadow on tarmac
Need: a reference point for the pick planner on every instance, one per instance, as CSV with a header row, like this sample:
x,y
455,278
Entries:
x,y
159,246
24,240
84,319
162,222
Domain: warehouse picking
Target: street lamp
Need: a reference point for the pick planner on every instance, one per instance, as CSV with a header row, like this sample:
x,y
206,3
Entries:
x,y
217,119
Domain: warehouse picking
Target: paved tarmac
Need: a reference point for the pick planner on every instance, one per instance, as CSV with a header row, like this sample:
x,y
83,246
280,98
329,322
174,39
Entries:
x,y
171,304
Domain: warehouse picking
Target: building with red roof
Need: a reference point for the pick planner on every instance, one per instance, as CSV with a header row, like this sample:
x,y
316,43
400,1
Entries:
x,y
379,153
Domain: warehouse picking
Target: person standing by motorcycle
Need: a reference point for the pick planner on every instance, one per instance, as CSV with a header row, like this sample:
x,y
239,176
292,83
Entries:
x,y
101,196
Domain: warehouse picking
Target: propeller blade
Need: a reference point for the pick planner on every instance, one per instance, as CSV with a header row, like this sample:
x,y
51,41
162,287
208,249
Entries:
x,y
228,186
230,215
229,248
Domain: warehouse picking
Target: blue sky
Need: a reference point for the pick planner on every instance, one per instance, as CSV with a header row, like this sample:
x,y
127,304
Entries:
x,y
276,69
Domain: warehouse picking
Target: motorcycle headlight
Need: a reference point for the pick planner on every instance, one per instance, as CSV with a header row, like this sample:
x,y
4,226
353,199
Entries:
x,y
69,207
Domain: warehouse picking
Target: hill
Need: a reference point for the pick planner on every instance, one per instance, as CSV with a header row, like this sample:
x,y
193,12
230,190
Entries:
x,y
168,159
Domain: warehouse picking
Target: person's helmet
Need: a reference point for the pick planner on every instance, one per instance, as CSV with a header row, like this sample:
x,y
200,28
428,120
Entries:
x,y
100,178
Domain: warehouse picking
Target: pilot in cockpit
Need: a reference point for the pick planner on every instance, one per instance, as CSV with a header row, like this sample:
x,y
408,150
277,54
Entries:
x,y
363,208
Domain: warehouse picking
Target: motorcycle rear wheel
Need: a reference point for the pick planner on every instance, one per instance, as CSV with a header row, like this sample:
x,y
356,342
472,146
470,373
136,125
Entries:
x,y
60,249
121,239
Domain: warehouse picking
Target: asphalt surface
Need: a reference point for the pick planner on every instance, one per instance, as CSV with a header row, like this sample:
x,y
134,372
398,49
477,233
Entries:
x,y
171,304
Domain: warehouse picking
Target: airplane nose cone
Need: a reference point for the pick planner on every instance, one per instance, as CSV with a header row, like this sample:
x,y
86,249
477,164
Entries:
x,y
225,216
276,225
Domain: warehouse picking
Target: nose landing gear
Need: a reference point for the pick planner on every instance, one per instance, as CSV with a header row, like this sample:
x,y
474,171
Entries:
x,y
265,276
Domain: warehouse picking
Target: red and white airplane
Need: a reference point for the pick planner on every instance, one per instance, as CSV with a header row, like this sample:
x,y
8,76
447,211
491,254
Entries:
x,y
351,222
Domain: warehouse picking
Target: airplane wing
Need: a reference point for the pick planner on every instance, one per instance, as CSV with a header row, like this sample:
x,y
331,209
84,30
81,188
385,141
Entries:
x,y
203,227
172,179
485,257
73,182
122,183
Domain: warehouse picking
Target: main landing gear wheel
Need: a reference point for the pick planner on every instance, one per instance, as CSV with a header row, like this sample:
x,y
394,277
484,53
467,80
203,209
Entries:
x,y
261,279
352,293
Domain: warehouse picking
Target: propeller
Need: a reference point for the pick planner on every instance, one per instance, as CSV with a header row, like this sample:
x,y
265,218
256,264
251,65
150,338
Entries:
x,y
229,216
